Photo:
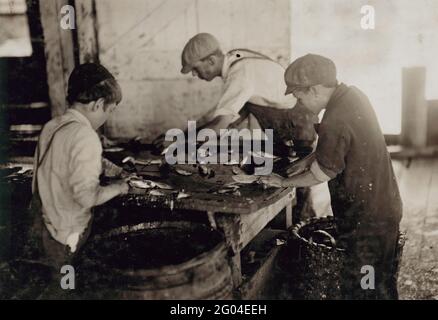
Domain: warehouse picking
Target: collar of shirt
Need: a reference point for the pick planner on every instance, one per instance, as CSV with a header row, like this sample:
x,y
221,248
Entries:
x,y
225,66
339,92
80,117
229,58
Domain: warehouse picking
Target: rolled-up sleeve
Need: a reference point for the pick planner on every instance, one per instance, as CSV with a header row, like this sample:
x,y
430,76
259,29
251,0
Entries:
x,y
332,148
238,89
85,166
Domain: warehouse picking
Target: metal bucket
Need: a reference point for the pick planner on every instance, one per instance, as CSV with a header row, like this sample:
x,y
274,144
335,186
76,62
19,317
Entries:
x,y
183,260
314,262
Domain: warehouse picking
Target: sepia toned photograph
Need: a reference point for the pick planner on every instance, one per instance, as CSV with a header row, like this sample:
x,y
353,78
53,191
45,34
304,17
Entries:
x,y
223,150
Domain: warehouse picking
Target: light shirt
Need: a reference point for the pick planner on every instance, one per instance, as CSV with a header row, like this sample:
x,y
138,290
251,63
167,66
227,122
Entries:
x,y
258,81
68,178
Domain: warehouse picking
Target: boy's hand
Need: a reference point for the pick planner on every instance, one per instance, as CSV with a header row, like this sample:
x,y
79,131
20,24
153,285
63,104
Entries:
x,y
273,180
124,186
107,143
160,143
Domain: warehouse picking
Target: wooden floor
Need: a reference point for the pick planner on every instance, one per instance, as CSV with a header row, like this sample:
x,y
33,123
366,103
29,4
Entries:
x,y
418,183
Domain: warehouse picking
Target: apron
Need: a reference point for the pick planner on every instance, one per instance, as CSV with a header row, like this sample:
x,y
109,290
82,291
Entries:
x,y
294,124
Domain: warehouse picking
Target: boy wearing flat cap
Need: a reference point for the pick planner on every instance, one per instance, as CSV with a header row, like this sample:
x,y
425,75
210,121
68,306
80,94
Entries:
x,y
252,98
253,90
351,155
68,163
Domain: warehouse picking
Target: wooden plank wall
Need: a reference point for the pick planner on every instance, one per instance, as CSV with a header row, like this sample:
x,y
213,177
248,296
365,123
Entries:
x,y
141,44
86,30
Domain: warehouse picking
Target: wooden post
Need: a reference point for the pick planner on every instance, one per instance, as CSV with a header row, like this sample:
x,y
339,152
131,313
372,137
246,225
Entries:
x,y
87,32
59,51
414,107
432,128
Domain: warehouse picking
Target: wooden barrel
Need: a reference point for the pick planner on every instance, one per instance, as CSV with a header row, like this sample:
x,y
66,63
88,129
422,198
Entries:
x,y
157,260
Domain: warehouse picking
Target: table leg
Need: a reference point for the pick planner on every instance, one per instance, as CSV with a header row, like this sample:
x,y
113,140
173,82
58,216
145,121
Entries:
x,y
212,219
230,225
236,270
289,215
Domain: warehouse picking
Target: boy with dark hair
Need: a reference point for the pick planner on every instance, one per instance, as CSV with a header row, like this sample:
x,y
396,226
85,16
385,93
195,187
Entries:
x,y
68,163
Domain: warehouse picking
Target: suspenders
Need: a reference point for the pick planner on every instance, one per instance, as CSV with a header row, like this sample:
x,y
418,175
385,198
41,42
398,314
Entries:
x,y
252,55
33,244
246,109
39,161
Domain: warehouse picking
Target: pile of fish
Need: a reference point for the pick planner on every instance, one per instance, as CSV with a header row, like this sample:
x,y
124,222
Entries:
x,y
206,171
148,184
245,179
16,174
230,188
183,172
240,176
133,161
202,169
155,188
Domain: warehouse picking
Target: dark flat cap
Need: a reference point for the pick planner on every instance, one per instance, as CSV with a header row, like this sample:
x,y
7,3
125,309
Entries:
x,y
310,70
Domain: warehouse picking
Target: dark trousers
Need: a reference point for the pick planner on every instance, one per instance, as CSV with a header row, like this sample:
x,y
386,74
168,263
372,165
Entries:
x,y
52,252
375,245
42,248
57,254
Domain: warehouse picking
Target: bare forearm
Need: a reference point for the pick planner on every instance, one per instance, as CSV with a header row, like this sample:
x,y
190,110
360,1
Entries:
x,y
311,174
305,179
220,122
97,195
104,194
216,124
205,120
301,165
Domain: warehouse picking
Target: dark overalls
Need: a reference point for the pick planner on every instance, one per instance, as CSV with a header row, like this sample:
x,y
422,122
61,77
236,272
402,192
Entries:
x,y
365,197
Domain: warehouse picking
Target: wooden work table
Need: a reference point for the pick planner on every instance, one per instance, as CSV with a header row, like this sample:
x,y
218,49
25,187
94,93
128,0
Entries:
x,y
239,217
